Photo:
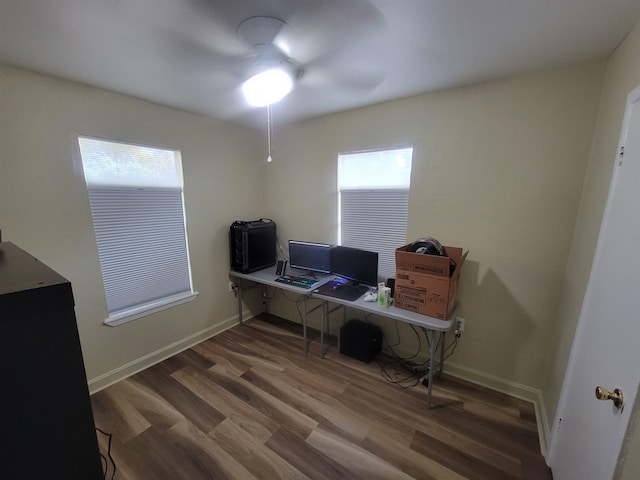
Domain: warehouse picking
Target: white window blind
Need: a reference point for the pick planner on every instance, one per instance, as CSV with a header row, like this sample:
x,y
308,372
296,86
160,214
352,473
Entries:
x,y
136,201
374,202
375,220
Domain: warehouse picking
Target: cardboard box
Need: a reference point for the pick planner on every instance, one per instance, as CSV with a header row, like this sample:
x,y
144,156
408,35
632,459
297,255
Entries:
x,y
428,284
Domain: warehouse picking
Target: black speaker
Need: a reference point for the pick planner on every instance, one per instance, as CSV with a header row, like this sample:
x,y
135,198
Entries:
x,y
391,283
360,340
281,268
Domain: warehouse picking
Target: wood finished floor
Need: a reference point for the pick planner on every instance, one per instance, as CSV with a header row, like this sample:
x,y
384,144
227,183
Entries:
x,y
248,404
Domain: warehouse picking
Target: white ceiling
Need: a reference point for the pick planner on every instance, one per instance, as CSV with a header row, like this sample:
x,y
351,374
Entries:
x,y
185,53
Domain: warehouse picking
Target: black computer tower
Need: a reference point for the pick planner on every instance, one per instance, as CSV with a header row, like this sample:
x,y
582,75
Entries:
x,y
360,340
252,245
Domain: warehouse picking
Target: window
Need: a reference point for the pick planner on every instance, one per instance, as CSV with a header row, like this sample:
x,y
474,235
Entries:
x,y
137,206
374,202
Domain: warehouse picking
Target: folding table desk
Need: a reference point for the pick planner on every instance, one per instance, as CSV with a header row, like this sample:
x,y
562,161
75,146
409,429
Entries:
x,y
435,327
267,277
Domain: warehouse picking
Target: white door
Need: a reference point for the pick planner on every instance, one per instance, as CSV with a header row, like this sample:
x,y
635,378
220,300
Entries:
x,y
588,433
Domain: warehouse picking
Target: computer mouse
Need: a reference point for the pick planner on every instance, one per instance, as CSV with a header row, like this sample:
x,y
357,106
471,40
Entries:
x,y
370,297
336,287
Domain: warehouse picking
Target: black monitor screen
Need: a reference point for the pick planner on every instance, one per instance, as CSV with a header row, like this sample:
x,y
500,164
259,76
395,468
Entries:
x,y
309,256
359,266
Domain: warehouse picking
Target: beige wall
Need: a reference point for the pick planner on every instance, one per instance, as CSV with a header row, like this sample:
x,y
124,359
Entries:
x,y
622,75
498,169
44,206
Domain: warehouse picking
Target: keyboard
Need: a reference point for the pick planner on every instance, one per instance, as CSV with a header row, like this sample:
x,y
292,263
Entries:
x,y
302,282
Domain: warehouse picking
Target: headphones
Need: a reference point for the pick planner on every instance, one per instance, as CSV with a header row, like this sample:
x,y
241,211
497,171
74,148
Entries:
x,y
428,245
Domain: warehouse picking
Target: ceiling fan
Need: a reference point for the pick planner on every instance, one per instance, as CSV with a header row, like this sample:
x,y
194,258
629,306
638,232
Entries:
x,y
323,47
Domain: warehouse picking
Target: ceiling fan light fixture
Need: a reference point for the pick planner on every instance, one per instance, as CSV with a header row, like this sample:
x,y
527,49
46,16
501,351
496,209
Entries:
x,y
267,87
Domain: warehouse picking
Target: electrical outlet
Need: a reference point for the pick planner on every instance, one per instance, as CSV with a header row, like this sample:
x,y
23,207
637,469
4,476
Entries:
x,y
231,287
459,324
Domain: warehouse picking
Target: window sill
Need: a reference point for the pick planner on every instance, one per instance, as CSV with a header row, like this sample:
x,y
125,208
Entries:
x,y
149,308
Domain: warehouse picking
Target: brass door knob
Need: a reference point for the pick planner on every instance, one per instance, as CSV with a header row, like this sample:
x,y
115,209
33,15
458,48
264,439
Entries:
x,y
616,396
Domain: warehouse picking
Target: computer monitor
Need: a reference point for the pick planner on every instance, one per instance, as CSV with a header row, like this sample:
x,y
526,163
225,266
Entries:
x,y
309,256
358,266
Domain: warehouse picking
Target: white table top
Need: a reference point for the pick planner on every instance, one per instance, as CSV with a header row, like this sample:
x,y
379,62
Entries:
x,y
267,276
420,320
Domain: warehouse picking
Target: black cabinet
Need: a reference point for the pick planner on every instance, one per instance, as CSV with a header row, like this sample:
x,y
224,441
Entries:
x,y
46,421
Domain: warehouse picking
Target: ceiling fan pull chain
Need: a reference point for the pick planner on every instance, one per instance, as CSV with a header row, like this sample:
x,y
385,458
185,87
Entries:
x,y
269,159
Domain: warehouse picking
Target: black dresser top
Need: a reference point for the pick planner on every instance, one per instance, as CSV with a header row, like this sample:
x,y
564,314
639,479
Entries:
x,y
20,272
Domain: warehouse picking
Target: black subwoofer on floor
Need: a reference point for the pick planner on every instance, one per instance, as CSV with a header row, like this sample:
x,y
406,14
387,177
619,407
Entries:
x,y
360,340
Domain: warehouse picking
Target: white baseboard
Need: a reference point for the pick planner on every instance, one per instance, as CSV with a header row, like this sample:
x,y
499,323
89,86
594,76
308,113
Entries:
x,y
508,387
103,381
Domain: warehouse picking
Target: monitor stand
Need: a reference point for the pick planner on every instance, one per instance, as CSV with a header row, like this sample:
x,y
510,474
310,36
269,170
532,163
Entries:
x,y
298,272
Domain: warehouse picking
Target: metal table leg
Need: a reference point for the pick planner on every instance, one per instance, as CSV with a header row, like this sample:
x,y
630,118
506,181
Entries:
x,y
432,355
324,319
304,325
443,343
239,290
325,326
325,323
264,293
240,302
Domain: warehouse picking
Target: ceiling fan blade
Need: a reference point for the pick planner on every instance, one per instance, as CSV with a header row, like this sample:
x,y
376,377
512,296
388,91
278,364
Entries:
x,y
198,55
210,27
322,29
359,65
361,77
